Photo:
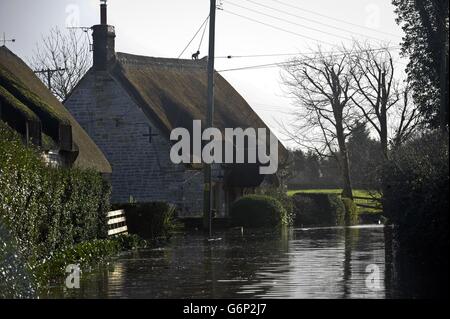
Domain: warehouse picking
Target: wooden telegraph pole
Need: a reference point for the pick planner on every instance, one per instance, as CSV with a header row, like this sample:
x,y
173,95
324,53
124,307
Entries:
x,y
207,202
4,40
49,75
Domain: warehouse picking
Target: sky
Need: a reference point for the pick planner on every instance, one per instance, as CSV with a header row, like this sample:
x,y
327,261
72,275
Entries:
x,y
163,28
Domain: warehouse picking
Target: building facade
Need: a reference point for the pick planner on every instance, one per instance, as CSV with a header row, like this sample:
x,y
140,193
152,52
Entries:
x,y
129,104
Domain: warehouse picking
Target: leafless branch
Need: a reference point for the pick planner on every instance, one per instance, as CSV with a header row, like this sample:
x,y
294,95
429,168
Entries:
x,y
66,54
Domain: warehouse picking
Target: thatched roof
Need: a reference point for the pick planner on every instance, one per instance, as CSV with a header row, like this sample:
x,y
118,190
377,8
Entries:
x,y
32,98
173,92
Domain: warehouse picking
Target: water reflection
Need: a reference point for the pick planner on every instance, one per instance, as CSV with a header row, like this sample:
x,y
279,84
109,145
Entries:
x,y
292,263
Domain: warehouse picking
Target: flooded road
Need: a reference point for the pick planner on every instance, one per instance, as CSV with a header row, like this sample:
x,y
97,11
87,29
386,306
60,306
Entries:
x,y
292,263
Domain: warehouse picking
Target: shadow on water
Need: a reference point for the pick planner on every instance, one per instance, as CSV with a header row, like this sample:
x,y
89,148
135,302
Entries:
x,y
289,263
410,276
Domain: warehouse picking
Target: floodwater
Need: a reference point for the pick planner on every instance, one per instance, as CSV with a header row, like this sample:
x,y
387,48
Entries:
x,y
292,263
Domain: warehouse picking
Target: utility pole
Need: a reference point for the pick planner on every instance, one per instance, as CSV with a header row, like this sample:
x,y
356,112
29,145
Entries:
x,y
49,73
207,200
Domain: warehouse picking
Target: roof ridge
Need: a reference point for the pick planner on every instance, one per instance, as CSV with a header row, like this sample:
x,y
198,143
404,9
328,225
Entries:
x,y
132,59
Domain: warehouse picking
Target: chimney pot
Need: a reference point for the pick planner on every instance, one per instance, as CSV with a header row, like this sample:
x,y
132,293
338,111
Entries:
x,y
103,14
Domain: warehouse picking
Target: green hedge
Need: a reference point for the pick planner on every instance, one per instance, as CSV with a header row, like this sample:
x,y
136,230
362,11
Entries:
x,y
48,209
15,278
258,211
84,254
149,220
321,209
282,196
415,199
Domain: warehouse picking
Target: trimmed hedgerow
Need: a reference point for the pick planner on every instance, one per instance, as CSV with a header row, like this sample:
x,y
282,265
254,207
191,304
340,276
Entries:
x,y
282,196
149,220
15,278
258,211
320,209
48,209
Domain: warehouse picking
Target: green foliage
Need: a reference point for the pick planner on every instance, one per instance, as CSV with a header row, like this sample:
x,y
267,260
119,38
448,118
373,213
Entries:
x,y
415,188
366,198
15,279
48,209
149,220
425,24
286,201
258,211
84,254
319,209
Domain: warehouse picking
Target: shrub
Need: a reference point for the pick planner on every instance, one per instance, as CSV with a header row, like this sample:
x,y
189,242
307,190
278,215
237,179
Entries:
x,y
415,198
84,254
258,211
149,220
319,209
282,196
45,208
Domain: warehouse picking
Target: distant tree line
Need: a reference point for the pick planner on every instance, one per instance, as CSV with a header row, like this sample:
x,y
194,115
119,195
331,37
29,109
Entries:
x,y
310,170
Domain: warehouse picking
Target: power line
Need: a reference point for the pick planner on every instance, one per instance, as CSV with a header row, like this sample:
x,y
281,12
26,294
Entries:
x,y
392,48
195,35
256,55
203,35
314,21
277,28
287,63
291,22
255,67
335,19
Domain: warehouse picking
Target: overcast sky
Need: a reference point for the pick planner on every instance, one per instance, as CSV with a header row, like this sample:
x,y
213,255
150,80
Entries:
x,y
164,27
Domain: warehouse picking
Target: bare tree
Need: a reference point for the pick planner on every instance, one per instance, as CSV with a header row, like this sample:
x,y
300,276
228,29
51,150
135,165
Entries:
x,y
406,119
379,95
323,88
61,60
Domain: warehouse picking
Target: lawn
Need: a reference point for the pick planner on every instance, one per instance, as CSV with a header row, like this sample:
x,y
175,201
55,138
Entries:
x,y
356,193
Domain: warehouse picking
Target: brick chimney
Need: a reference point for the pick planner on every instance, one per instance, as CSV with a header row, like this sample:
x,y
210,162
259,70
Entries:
x,y
104,40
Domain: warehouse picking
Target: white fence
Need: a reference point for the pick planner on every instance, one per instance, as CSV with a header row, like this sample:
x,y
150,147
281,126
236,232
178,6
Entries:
x,y
117,223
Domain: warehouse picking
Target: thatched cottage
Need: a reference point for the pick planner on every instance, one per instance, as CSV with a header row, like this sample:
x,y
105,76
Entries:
x,y
129,104
28,107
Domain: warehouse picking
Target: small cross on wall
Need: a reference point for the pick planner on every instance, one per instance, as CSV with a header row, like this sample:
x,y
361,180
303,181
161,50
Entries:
x,y
150,134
